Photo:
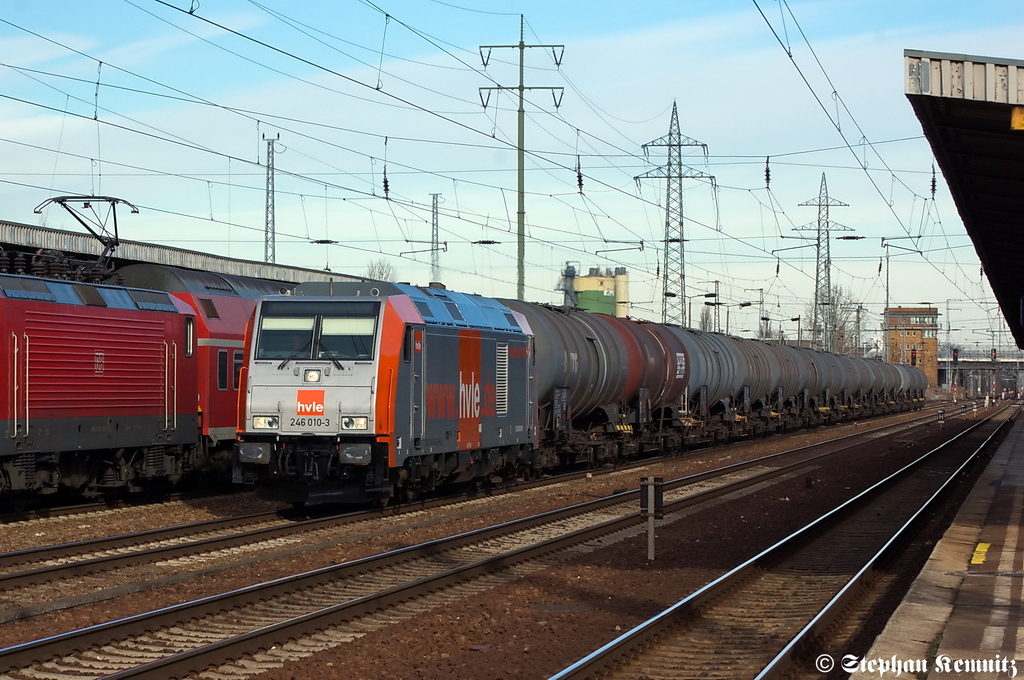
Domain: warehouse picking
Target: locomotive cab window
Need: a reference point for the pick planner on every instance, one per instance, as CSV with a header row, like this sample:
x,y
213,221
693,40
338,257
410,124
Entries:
x,y
324,331
283,337
410,335
346,338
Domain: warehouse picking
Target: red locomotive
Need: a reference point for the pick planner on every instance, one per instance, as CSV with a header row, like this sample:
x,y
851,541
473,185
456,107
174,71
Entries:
x,y
113,388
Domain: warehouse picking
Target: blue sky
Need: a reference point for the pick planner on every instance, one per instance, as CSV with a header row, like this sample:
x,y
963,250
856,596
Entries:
x,y
140,100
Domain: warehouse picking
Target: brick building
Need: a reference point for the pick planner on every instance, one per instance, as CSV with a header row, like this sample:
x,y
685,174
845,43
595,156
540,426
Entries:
x,y
912,338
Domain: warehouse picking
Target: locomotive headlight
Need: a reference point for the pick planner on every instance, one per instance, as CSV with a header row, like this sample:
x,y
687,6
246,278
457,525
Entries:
x,y
354,423
311,375
264,422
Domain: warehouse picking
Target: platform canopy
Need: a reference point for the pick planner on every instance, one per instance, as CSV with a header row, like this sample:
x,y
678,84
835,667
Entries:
x,y
972,112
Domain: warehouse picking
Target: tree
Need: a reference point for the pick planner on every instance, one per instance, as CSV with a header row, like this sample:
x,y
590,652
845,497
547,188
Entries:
x,y
845,316
705,319
380,270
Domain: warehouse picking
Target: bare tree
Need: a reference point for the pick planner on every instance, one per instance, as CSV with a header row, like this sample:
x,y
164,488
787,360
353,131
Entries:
x,y
705,319
845,316
380,270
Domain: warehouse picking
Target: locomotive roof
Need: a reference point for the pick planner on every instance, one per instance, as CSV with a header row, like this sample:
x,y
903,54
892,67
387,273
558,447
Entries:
x,y
437,306
177,280
84,294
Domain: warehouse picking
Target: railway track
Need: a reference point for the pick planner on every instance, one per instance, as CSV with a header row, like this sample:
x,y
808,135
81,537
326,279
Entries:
x,y
43,586
366,593
97,510
772,615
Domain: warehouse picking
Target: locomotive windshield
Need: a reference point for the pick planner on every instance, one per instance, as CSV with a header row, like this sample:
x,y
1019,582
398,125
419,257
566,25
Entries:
x,y
317,330
284,337
346,338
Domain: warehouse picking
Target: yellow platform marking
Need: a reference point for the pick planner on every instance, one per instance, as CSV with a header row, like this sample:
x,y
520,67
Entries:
x,y
979,553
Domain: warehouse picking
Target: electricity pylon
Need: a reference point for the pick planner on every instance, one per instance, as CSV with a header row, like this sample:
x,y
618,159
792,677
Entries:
x,y
825,315
268,249
673,271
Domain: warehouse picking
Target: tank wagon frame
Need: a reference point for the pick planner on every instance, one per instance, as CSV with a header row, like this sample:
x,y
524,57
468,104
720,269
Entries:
x,y
439,387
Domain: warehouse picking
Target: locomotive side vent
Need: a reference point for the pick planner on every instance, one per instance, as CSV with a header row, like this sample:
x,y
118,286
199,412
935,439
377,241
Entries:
x,y
26,462
155,459
501,379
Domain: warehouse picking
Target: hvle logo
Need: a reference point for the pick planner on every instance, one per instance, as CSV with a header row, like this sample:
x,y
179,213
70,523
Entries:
x,y
309,402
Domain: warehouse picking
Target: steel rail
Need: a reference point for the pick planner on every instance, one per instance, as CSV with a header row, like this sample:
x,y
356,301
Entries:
x,y
41,650
91,565
849,592
21,579
595,663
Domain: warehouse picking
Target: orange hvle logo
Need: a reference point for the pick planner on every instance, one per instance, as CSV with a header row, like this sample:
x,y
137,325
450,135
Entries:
x,y
309,402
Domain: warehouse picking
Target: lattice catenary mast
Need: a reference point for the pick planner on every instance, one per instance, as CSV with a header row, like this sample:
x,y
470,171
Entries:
x,y
435,245
268,249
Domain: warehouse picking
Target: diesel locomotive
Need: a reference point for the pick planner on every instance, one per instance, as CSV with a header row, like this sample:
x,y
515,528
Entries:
x,y
362,391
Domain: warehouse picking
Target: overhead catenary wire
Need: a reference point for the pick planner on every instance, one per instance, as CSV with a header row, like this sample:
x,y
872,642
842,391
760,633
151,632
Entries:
x,y
596,213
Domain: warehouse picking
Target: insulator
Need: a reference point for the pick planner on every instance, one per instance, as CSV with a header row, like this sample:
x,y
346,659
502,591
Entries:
x,y
579,175
19,263
933,180
778,263
386,189
767,173
39,264
5,262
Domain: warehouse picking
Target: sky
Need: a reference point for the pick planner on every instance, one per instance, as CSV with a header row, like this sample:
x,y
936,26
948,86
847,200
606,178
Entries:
x,y
168,105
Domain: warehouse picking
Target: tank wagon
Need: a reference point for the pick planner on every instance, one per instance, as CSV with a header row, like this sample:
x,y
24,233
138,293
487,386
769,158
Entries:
x,y
356,391
120,387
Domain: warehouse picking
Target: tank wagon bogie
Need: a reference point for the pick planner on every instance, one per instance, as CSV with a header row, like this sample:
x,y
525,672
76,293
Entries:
x,y
453,387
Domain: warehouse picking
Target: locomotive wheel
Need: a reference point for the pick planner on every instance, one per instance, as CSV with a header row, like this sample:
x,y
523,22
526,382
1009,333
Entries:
x,y
409,494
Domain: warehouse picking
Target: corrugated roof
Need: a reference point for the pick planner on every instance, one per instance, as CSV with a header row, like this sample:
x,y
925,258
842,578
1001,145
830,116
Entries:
x,y
69,242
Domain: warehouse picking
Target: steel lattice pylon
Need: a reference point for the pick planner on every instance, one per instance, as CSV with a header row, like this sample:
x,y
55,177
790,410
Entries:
x,y
673,272
435,245
270,241
823,332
